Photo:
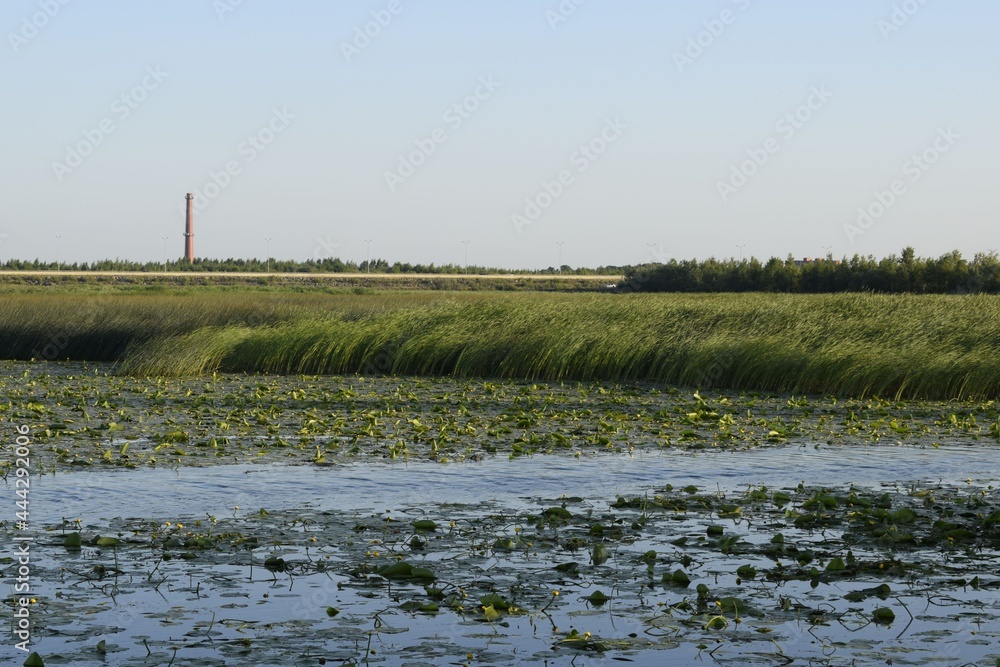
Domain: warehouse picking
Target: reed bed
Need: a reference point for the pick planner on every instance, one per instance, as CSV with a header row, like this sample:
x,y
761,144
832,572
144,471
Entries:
x,y
940,347
99,326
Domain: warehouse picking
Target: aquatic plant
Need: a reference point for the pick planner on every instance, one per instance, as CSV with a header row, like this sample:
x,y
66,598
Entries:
x,y
848,345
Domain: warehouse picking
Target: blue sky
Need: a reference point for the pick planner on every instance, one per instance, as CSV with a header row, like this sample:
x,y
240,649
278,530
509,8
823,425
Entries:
x,y
628,131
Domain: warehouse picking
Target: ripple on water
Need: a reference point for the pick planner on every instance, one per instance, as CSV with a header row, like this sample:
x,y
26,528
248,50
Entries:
x,y
375,486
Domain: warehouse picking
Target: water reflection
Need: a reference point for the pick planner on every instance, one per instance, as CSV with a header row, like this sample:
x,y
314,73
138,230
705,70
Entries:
x,y
377,486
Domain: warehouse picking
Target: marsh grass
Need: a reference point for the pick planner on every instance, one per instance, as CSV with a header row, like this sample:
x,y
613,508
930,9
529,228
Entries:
x,y
849,344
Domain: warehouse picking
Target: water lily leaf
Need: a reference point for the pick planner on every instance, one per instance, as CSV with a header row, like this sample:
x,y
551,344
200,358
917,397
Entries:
x,y
568,568
405,571
425,524
726,544
836,565
560,513
582,642
904,516
677,577
597,598
108,542
275,564
881,591
332,611
600,554
72,541
717,623
959,534
731,605
495,601
884,615
491,613
727,511
397,570
34,660
505,544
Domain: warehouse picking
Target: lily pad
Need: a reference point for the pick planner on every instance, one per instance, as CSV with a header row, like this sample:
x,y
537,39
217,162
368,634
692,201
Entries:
x,y
884,615
406,571
597,598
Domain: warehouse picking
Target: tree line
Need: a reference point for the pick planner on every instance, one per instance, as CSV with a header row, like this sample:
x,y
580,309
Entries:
x,y
904,273
895,274
326,265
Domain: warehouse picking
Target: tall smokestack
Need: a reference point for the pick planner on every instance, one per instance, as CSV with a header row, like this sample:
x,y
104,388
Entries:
x,y
189,230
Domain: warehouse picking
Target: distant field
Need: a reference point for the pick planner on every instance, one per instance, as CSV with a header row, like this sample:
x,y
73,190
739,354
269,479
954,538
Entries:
x,y
352,276
848,344
14,280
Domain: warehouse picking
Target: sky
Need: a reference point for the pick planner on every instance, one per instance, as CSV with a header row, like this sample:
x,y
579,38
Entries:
x,y
515,133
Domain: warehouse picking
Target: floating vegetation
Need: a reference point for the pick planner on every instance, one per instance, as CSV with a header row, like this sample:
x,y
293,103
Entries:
x,y
84,417
669,573
873,572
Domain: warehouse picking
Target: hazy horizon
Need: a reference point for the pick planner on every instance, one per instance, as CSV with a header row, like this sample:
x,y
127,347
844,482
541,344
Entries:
x,y
626,132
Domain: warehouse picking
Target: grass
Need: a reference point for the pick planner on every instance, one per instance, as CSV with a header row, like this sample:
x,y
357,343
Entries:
x,y
940,347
